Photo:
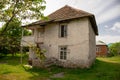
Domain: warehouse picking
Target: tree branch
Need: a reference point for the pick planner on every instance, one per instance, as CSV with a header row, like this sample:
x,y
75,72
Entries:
x,y
13,15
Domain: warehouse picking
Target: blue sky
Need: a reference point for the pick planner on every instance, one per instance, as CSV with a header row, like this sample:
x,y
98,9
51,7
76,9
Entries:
x,y
107,13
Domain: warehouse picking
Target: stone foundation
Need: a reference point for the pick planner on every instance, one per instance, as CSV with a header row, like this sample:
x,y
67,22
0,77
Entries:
x,y
70,64
66,63
37,63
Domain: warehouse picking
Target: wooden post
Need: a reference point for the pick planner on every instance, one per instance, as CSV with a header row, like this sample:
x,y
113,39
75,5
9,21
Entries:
x,y
21,49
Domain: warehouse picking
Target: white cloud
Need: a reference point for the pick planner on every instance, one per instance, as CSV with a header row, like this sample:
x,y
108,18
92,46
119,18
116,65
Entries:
x,y
108,38
100,9
53,5
92,6
87,5
106,26
109,15
116,27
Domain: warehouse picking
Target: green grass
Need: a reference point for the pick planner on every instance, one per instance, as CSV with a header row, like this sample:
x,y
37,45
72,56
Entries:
x,y
103,69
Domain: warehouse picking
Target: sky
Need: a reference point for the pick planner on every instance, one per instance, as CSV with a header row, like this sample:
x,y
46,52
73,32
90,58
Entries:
x,y
107,14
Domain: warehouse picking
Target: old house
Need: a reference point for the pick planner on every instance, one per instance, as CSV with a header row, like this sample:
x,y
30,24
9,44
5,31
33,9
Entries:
x,y
101,48
68,36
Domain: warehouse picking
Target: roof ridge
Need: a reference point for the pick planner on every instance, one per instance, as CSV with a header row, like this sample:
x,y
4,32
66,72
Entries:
x,y
67,8
58,9
77,9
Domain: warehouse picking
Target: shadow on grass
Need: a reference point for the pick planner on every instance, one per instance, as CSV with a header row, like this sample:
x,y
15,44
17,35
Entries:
x,y
38,73
14,60
99,71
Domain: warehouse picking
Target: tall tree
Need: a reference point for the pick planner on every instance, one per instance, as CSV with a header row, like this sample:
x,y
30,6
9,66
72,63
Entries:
x,y
10,41
20,9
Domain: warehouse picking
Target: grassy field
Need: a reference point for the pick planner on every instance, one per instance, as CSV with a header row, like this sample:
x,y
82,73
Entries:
x,y
103,69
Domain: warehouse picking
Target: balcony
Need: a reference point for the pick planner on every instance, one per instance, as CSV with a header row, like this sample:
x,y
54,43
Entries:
x,y
28,41
39,40
31,40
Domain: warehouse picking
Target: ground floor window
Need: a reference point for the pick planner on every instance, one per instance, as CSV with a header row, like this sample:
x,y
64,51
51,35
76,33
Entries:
x,y
98,49
63,52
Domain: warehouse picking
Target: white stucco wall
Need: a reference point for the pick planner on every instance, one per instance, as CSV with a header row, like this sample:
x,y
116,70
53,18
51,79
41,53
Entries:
x,y
80,42
77,41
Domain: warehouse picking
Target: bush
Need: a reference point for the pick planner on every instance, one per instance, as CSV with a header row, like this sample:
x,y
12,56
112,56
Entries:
x,y
3,51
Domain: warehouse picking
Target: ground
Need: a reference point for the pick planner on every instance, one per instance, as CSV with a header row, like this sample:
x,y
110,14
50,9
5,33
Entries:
x,y
103,69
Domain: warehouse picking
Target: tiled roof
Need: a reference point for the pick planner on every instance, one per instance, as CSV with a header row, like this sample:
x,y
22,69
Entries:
x,y
100,43
68,13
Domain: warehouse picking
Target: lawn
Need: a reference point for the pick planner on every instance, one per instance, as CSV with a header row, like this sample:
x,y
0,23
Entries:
x,y
103,69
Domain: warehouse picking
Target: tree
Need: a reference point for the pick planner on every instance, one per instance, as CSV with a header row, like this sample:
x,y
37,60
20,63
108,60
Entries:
x,y
20,9
10,41
115,48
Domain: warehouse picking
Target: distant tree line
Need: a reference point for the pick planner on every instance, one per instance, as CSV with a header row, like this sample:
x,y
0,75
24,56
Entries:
x,y
114,49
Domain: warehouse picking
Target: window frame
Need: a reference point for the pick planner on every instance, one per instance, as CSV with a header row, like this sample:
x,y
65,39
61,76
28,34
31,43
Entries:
x,y
63,32
63,52
98,49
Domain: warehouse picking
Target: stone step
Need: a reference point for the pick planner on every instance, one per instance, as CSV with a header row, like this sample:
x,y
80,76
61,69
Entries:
x,y
48,65
49,62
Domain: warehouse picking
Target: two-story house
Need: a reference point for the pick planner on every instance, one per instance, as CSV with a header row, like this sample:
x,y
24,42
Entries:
x,y
68,35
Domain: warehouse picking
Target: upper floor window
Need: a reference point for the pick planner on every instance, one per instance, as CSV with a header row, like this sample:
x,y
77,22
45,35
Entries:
x,y
63,30
41,32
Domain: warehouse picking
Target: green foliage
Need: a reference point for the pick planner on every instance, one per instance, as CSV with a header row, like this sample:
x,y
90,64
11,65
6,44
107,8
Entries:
x,y
21,10
10,41
26,32
12,12
39,53
14,28
115,48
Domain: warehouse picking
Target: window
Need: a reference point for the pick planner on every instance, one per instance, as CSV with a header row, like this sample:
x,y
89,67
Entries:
x,y
63,52
63,30
41,32
97,49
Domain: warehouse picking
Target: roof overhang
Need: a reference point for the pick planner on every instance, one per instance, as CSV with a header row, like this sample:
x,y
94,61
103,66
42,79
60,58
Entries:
x,y
45,22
